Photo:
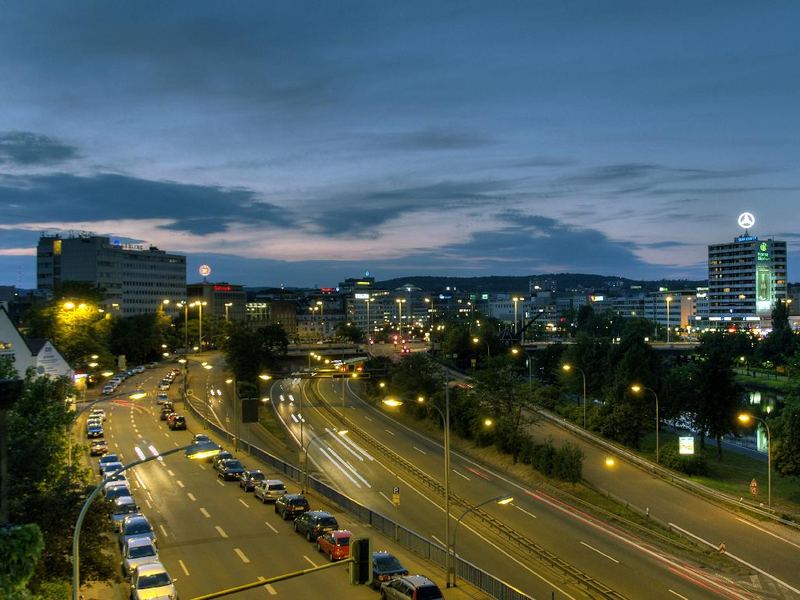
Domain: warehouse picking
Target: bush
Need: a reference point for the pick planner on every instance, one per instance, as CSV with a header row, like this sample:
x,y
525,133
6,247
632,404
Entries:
x,y
568,463
542,457
690,464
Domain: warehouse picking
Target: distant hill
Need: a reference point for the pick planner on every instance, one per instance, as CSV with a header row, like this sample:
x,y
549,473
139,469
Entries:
x,y
562,281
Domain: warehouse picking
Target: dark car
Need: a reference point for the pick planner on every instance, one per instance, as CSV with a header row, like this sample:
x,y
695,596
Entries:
x,y
135,526
108,458
314,523
230,469
250,478
385,566
121,507
290,506
117,491
411,587
166,410
177,422
217,459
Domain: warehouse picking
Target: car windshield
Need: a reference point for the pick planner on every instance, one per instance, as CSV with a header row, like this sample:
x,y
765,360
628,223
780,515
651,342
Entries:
x,y
429,592
141,551
343,541
125,509
299,502
232,464
277,486
117,491
136,527
387,562
257,476
328,522
153,580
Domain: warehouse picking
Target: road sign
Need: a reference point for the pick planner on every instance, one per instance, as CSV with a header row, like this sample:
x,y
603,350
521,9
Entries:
x,y
754,487
686,445
396,496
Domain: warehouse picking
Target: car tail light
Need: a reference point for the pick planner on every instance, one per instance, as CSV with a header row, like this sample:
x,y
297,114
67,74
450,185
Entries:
x,y
383,578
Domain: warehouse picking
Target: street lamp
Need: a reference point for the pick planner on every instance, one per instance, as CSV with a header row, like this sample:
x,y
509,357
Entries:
x,y
196,451
516,300
567,368
227,306
501,500
199,304
668,300
477,340
400,302
638,388
746,418
341,432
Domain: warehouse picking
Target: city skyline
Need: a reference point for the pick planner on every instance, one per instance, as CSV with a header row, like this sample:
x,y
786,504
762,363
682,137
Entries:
x,y
297,144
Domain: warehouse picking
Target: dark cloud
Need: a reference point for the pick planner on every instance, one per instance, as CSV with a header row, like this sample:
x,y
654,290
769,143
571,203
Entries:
x,y
428,140
194,208
649,175
26,149
544,161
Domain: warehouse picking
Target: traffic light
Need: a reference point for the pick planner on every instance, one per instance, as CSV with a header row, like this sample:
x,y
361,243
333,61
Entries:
x,y
361,567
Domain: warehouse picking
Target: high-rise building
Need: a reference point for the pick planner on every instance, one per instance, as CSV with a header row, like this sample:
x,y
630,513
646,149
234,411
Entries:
x,y
745,279
134,279
223,300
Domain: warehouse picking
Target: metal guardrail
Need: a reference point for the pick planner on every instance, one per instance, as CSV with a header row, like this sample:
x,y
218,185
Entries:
x,y
523,542
407,538
662,472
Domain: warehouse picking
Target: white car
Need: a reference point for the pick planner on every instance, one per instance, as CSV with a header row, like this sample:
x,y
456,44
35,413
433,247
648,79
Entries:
x,y
99,413
162,398
151,580
137,551
109,389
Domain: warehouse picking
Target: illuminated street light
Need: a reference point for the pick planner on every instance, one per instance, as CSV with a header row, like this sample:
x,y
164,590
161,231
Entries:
x,y
392,402
69,305
745,419
638,388
499,500
567,368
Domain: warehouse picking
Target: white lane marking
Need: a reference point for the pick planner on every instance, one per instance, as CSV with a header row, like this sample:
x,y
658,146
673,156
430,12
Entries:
x,y
164,531
294,418
171,474
220,531
205,513
761,529
530,514
191,496
146,501
241,555
340,439
176,444
338,466
179,482
183,566
351,443
599,552
166,435
349,466
139,479
736,558
313,564
270,526
139,452
420,450
219,482
368,418
386,497
677,594
438,541
149,495
141,436
389,432
202,467
460,474
246,505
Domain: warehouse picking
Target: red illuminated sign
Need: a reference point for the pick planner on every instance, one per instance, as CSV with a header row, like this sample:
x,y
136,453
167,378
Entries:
x,y
222,288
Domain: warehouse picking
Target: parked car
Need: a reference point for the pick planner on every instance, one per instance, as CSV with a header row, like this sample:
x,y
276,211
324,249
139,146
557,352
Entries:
x,y
137,551
111,479
291,506
116,490
385,567
250,478
166,410
135,526
163,386
108,458
223,455
230,469
99,413
170,417
108,468
150,581
411,587
109,389
162,398
314,523
98,448
177,422
269,490
336,544
200,437
121,507
94,431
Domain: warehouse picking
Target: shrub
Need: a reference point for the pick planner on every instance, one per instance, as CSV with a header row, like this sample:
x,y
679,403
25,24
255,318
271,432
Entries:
x,y
568,463
691,464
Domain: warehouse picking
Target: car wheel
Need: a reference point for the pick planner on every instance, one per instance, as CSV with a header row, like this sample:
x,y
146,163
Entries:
x,y
319,548
308,536
295,528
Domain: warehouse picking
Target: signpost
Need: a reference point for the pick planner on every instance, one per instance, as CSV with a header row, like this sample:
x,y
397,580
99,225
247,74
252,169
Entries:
x,y
396,496
686,445
754,487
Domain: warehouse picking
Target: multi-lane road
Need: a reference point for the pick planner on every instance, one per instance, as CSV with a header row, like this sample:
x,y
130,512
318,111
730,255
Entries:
x,y
211,535
630,566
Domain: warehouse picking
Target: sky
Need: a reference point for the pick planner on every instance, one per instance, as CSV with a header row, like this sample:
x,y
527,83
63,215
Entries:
x,y
298,143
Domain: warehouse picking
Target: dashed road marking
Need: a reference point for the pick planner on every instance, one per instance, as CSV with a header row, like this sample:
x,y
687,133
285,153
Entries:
x,y
241,555
270,526
460,474
246,505
678,595
171,474
611,558
389,432
385,497
420,450
183,566
221,531
148,503
530,514
313,564
179,482
268,587
205,513
219,482
164,531
191,496
202,467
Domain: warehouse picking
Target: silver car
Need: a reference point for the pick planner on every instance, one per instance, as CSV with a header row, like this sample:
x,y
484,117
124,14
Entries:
x,y
150,581
269,490
135,526
137,551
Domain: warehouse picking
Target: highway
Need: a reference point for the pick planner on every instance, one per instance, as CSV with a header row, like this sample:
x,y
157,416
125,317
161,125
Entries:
x,y
598,549
211,535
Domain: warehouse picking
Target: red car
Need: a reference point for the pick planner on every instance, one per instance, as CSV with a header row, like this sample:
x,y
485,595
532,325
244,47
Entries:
x,y
336,544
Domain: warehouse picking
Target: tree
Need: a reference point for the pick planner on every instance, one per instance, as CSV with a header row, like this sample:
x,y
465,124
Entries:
x,y
248,352
718,397
781,343
348,331
786,442
20,548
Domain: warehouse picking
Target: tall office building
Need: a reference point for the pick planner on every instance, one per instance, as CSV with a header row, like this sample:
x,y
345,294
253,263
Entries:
x,y
134,279
745,279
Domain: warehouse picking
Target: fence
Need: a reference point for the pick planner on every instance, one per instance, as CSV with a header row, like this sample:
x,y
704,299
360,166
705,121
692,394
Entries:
x,y
403,536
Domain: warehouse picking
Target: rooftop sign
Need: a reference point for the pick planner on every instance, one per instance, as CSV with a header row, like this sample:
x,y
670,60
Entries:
x,y
746,220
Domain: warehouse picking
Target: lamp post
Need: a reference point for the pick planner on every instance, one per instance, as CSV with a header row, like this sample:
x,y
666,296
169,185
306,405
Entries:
x,y
305,458
400,302
200,304
516,300
567,368
227,306
185,305
501,500
638,388
476,340
194,451
668,300
746,418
